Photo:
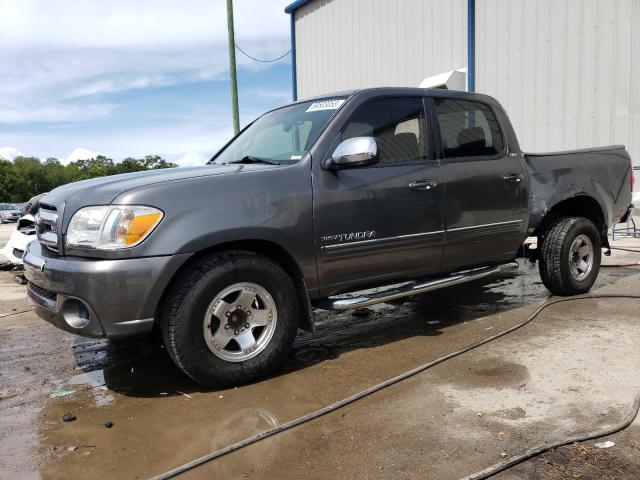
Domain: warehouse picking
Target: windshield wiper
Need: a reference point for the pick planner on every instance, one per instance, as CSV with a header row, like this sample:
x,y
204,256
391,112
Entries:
x,y
252,159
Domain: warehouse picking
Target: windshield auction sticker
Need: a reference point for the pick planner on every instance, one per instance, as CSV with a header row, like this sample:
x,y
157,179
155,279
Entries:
x,y
325,105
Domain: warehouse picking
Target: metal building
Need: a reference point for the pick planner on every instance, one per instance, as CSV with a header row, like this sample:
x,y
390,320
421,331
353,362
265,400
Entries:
x,y
567,71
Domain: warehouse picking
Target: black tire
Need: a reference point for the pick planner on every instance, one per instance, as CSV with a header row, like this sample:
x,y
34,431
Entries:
x,y
555,255
187,302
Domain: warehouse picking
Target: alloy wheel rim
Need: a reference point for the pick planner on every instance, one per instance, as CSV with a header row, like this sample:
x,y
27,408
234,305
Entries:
x,y
239,322
581,257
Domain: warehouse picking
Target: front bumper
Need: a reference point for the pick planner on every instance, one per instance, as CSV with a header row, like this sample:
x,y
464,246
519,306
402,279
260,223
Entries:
x,y
15,247
120,297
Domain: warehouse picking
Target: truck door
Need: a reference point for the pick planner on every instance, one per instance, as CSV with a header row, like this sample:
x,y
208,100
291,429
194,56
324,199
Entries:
x,y
383,221
486,200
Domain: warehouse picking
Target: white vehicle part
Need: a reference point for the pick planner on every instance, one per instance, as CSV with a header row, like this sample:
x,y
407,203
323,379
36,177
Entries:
x,y
24,234
452,80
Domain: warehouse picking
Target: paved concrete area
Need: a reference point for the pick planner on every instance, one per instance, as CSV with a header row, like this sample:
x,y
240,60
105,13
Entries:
x,y
5,232
572,369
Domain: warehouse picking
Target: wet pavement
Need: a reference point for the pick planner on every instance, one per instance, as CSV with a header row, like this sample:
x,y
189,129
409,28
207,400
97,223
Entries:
x,y
573,368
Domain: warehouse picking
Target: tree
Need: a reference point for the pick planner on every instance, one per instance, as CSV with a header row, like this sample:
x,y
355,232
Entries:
x,y
154,162
99,166
28,176
30,171
11,185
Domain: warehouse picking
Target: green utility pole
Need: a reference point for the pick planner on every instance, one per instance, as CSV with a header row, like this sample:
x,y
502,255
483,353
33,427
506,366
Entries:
x,y
232,68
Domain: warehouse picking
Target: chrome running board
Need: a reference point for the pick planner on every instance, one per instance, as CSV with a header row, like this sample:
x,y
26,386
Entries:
x,y
371,297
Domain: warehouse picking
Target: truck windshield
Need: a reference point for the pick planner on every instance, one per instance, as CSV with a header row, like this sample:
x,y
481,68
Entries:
x,y
281,136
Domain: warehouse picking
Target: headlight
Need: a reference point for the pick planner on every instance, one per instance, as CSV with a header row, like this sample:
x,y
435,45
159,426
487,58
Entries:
x,y
112,227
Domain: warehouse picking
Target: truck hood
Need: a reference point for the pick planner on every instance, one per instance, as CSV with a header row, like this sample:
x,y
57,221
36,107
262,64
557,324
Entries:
x,y
103,190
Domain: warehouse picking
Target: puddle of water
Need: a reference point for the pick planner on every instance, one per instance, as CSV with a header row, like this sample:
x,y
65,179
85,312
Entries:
x,y
242,424
94,380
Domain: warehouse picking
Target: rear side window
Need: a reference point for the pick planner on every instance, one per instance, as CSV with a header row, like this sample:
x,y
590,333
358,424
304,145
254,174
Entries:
x,y
397,124
468,129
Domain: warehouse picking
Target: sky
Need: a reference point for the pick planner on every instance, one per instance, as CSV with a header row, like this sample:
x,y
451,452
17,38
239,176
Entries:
x,y
127,78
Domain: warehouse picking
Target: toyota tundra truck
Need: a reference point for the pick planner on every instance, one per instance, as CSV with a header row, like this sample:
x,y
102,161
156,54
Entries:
x,y
336,202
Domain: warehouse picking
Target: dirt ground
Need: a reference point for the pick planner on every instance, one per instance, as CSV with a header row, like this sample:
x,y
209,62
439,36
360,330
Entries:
x,y
572,369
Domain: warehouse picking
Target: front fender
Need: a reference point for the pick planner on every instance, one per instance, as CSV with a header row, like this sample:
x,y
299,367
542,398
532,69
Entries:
x,y
272,205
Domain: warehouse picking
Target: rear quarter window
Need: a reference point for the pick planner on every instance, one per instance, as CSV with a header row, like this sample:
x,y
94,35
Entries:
x,y
467,128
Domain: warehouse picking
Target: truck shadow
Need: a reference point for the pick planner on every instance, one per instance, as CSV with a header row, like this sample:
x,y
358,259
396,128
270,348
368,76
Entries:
x,y
142,368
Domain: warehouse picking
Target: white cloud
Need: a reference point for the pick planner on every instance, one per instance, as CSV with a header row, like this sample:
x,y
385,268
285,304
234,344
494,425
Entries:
x,y
52,112
118,85
192,159
143,23
54,53
9,153
61,60
81,154
283,96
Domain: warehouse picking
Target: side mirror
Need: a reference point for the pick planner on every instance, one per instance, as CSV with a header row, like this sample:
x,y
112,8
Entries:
x,y
355,152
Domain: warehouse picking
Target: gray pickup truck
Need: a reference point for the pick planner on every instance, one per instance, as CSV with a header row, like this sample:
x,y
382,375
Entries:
x,y
314,204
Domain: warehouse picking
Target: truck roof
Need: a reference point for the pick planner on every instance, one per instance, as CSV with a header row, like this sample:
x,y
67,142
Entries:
x,y
390,91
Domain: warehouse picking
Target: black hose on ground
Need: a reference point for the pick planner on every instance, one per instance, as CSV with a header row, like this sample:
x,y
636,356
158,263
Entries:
x,y
533,452
622,265
403,376
15,313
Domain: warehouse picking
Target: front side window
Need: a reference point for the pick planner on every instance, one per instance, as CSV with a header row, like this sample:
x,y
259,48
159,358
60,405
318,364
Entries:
x,y
467,128
282,135
397,124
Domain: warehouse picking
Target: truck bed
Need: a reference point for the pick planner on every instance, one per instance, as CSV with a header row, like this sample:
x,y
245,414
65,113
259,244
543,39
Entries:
x,y
601,173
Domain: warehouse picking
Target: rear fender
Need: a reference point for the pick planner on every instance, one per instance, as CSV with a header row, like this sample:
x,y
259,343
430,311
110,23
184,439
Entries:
x,y
576,206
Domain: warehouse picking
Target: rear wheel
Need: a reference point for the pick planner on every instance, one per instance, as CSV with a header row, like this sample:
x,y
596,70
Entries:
x,y
570,256
231,319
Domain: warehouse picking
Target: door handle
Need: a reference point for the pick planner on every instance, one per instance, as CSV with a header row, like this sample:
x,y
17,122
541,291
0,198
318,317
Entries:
x,y
423,184
513,178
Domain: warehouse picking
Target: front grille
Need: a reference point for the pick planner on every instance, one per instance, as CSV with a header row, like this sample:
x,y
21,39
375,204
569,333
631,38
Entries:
x,y
47,226
46,206
43,293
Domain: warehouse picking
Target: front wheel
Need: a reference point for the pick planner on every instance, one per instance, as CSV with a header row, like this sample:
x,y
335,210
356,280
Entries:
x,y
231,319
570,256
